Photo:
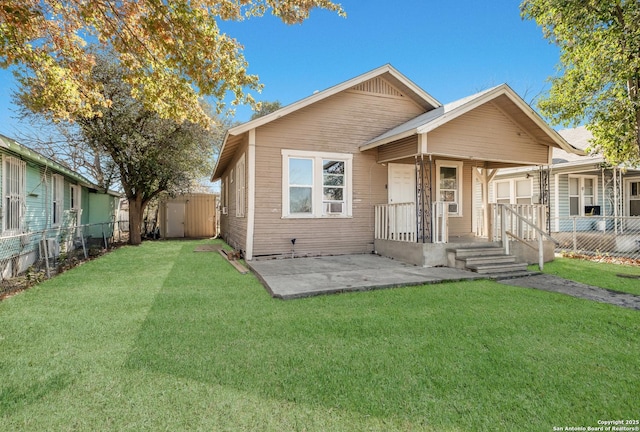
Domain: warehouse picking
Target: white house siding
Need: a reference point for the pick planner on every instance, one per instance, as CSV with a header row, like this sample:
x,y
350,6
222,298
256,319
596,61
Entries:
x,y
338,124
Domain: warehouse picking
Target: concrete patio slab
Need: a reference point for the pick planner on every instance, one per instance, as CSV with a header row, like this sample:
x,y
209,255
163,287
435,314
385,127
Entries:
x,y
304,277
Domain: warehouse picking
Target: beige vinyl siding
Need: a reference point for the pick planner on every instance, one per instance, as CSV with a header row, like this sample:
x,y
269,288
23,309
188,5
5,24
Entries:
x,y
401,149
233,228
339,124
486,133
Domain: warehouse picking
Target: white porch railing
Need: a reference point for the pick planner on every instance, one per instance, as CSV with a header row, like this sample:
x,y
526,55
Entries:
x,y
521,222
440,222
398,222
535,216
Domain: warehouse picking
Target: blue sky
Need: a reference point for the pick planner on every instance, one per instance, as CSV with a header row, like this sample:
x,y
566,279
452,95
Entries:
x,y
450,49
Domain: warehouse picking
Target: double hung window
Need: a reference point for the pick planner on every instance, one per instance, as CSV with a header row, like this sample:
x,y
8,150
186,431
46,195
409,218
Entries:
x,y
57,199
14,192
449,185
316,184
582,193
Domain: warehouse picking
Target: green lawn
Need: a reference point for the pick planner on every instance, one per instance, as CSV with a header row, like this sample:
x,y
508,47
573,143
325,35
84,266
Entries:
x,y
602,275
158,337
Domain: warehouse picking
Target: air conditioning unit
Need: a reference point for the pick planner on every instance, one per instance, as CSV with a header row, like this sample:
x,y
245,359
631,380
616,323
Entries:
x,y
333,208
453,208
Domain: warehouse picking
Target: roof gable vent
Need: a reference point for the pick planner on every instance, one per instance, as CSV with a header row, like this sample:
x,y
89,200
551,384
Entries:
x,y
378,86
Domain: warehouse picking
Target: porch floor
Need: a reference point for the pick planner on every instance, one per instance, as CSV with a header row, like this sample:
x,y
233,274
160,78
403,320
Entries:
x,y
305,277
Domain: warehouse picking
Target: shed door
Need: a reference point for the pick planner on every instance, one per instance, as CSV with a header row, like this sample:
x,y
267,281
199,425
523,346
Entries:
x,y
175,219
402,183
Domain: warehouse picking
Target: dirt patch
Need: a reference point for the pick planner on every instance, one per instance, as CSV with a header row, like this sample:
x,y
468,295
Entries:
x,y
603,259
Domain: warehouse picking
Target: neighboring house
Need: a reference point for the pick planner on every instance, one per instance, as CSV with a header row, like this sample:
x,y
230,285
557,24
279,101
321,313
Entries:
x,y
593,207
373,164
575,186
40,194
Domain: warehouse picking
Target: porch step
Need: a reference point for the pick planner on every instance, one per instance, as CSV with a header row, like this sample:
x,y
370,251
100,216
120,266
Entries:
x,y
484,259
498,268
477,251
491,262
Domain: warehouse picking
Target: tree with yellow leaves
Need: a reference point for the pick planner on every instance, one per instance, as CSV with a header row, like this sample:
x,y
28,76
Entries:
x,y
173,51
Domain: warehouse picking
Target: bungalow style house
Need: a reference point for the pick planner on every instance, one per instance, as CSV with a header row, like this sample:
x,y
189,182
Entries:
x,y
40,194
585,194
374,164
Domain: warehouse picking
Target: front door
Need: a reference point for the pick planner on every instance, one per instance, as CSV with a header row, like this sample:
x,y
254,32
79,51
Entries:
x,y
402,194
402,183
175,219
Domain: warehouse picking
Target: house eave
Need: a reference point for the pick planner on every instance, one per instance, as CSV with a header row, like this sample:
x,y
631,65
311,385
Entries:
x,y
35,157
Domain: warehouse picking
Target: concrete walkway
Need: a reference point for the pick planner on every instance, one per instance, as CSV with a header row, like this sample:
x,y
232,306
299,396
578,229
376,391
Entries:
x,y
304,277
557,284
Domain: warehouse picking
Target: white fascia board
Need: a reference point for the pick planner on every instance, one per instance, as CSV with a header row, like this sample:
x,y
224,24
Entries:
x,y
224,144
388,139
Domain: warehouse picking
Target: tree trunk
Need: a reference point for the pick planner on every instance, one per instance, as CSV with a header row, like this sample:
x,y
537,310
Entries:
x,y
135,221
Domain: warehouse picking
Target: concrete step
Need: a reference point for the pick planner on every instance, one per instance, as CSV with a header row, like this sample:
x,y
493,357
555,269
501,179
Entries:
x,y
488,259
476,251
497,268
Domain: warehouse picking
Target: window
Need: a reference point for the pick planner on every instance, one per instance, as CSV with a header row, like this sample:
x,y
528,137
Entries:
x,y
514,191
633,209
582,193
449,185
57,198
225,195
240,187
14,187
75,197
503,192
524,191
316,184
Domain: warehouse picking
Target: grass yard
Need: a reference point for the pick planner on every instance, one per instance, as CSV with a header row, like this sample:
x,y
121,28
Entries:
x,y
602,275
158,337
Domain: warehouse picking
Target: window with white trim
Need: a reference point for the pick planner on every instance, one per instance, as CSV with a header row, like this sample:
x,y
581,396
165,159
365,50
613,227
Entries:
x,y
57,199
14,191
240,187
514,191
634,198
225,195
582,193
316,184
449,185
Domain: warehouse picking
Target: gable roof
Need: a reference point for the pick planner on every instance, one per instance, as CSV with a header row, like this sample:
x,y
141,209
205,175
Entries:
x,y
388,72
578,137
38,158
503,96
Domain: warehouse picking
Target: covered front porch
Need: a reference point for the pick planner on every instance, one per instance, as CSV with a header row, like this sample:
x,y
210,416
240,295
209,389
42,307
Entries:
x,y
439,169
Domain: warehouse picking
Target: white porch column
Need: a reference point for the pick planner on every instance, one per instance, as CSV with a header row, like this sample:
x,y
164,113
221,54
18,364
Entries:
x,y
251,193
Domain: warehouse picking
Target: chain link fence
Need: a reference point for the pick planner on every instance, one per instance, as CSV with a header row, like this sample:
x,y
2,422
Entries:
x,y
598,236
30,257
